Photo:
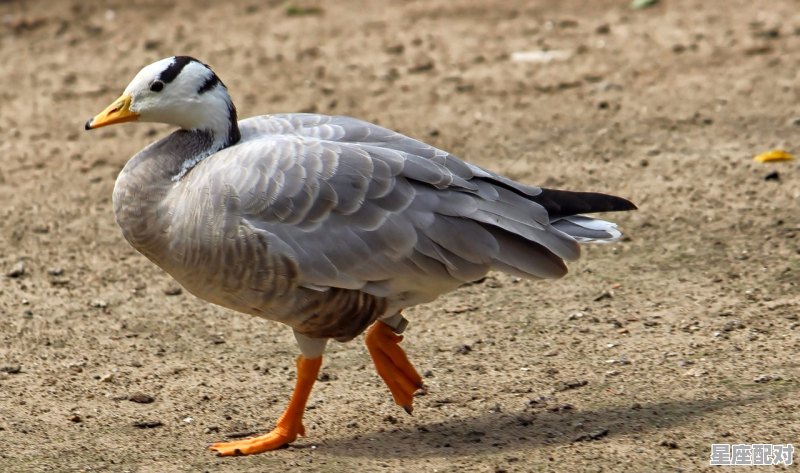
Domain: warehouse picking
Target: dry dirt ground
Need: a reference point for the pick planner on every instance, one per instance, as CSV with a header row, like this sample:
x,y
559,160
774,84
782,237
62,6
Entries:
x,y
682,335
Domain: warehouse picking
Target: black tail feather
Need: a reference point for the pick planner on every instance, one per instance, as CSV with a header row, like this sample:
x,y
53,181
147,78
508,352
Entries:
x,y
561,204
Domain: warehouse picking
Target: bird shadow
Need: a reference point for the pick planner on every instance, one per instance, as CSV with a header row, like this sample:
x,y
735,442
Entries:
x,y
492,432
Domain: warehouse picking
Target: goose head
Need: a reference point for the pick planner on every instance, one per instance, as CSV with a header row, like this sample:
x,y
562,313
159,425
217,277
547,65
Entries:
x,y
180,91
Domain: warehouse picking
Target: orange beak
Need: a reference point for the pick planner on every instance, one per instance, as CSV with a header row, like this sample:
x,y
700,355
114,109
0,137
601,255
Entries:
x,y
118,112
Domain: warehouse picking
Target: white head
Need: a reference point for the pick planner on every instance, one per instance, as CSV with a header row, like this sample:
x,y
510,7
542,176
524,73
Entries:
x,y
178,90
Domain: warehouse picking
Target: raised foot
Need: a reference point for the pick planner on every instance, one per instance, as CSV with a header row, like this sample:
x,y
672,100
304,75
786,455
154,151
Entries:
x,y
392,364
278,438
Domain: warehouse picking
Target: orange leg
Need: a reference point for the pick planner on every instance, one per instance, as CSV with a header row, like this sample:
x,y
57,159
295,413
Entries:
x,y
392,364
291,422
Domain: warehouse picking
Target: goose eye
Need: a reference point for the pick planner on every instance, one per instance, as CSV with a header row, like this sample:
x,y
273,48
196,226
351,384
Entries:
x,y
156,86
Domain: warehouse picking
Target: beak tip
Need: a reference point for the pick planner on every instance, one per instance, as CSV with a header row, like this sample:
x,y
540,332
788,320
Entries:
x,y
88,125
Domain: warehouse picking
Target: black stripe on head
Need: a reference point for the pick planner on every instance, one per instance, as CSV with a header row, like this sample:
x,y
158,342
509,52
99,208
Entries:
x,y
210,82
171,72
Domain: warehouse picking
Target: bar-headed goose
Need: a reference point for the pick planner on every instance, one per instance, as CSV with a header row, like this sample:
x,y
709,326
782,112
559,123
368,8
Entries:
x,y
330,225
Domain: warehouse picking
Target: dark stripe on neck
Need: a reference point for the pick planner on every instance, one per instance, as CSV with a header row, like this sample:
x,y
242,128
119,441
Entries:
x,y
171,72
233,127
210,83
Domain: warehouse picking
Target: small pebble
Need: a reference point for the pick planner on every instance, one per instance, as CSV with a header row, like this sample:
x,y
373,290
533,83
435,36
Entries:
x,y
148,424
11,369
593,435
141,398
98,304
696,372
574,384
173,291
16,271
766,378
463,349
325,377
670,444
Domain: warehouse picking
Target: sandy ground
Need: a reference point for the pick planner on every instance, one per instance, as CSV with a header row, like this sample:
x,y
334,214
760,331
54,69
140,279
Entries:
x,y
682,335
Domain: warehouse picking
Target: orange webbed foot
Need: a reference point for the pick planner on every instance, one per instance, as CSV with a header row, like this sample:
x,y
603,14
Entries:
x,y
289,426
278,438
392,364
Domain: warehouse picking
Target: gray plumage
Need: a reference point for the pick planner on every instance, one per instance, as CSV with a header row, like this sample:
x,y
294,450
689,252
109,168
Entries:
x,y
324,223
309,211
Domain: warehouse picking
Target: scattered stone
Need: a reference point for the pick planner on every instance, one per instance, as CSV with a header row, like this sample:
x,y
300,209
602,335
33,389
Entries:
x,y
603,29
428,374
173,291
607,294
621,361
561,407
769,33
325,377
574,384
75,418
525,419
422,65
670,444
576,315
107,378
141,398
758,50
696,372
11,369
539,400
773,176
613,372
151,44
55,271
766,378
211,429
463,349
148,424
395,48
98,304
459,308
17,271
390,419
732,325
217,339
593,435
540,56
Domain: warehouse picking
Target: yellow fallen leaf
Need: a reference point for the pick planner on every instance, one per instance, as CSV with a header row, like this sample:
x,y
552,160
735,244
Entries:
x,y
774,155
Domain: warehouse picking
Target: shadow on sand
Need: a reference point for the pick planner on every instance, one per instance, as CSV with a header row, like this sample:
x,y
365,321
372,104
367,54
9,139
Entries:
x,y
506,431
